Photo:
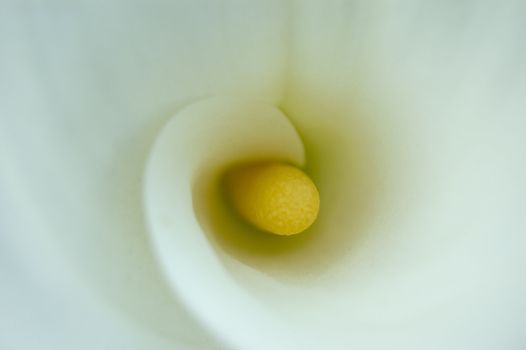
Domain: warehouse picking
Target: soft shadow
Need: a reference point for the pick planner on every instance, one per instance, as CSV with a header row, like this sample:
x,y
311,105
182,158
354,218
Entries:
x,y
343,160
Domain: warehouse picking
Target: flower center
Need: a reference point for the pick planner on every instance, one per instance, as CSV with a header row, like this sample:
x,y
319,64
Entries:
x,y
274,197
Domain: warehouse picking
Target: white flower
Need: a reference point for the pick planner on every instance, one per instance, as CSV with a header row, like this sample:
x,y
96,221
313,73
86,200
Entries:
x,y
412,116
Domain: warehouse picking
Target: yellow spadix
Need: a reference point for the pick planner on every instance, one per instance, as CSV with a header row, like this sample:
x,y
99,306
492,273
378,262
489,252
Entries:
x,y
274,197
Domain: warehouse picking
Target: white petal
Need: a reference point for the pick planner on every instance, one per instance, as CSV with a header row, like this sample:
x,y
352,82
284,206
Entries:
x,y
190,227
427,169
413,120
84,89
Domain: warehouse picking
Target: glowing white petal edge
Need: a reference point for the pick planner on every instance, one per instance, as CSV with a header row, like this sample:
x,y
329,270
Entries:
x,y
211,133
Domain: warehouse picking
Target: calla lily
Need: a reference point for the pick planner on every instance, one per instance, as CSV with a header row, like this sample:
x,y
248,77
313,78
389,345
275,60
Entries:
x,y
409,116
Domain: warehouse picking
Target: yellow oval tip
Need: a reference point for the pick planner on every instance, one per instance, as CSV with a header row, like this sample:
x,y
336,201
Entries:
x,y
274,197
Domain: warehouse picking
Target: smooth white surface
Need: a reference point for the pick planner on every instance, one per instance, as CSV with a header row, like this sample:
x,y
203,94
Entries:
x,y
84,87
412,115
192,151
